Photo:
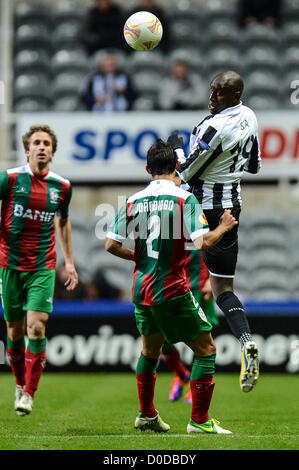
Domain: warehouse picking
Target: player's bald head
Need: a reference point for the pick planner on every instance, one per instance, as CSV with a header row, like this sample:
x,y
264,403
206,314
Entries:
x,y
226,91
230,80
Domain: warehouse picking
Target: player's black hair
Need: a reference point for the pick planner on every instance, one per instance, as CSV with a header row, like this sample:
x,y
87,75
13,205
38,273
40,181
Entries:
x,y
161,158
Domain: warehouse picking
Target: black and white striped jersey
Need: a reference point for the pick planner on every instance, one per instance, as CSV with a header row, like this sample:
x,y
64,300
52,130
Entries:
x,y
222,147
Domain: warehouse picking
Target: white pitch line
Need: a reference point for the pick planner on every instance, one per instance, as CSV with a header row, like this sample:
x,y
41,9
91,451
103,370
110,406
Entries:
x,y
143,435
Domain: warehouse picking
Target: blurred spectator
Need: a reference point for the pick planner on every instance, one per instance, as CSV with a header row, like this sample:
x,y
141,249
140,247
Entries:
x,y
60,291
108,88
149,5
259,11
183,90
103,27
100,288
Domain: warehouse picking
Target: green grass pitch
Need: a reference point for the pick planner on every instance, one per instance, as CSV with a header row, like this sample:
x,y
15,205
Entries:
x,y
97,412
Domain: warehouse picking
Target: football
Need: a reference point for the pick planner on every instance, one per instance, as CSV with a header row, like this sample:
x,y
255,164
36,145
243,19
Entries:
x,y
143,31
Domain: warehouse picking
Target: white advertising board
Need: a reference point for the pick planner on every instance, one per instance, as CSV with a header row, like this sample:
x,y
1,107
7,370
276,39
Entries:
x,y
95,147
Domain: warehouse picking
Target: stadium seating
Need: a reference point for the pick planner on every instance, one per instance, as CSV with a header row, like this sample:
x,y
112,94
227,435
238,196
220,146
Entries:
x,y
199,34
32,60
260,35
68,103
66,35
262,57
268,237
66,60
67,83
147,82
34,36
185,10
152,61
290,34
290,10
185,33
263,102
262,82
33,12
222,33
223,58
145,103
68,11
28,105
268,285
291,58
32,86
217,9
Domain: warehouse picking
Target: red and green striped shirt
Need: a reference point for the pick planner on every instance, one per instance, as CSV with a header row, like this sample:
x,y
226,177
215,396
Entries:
x,y
29,204
162,217
197,272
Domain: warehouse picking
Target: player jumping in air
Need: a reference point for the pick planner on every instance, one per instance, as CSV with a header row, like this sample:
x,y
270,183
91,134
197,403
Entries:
x,y
31,196
162,217
222,147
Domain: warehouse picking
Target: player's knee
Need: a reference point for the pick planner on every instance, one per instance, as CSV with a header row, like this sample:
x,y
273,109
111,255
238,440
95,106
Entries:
x,y
151,352
16,332
205,349
204,345
36,329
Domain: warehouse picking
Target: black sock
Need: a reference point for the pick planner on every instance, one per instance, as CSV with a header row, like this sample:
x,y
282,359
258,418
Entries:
x,y
235,316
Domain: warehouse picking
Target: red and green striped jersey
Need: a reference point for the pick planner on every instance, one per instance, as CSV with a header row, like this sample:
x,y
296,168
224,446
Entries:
x,y
197,272
29,204
162,217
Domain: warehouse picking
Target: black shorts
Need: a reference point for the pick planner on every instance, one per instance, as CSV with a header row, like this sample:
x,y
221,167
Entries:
x,y
221,259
